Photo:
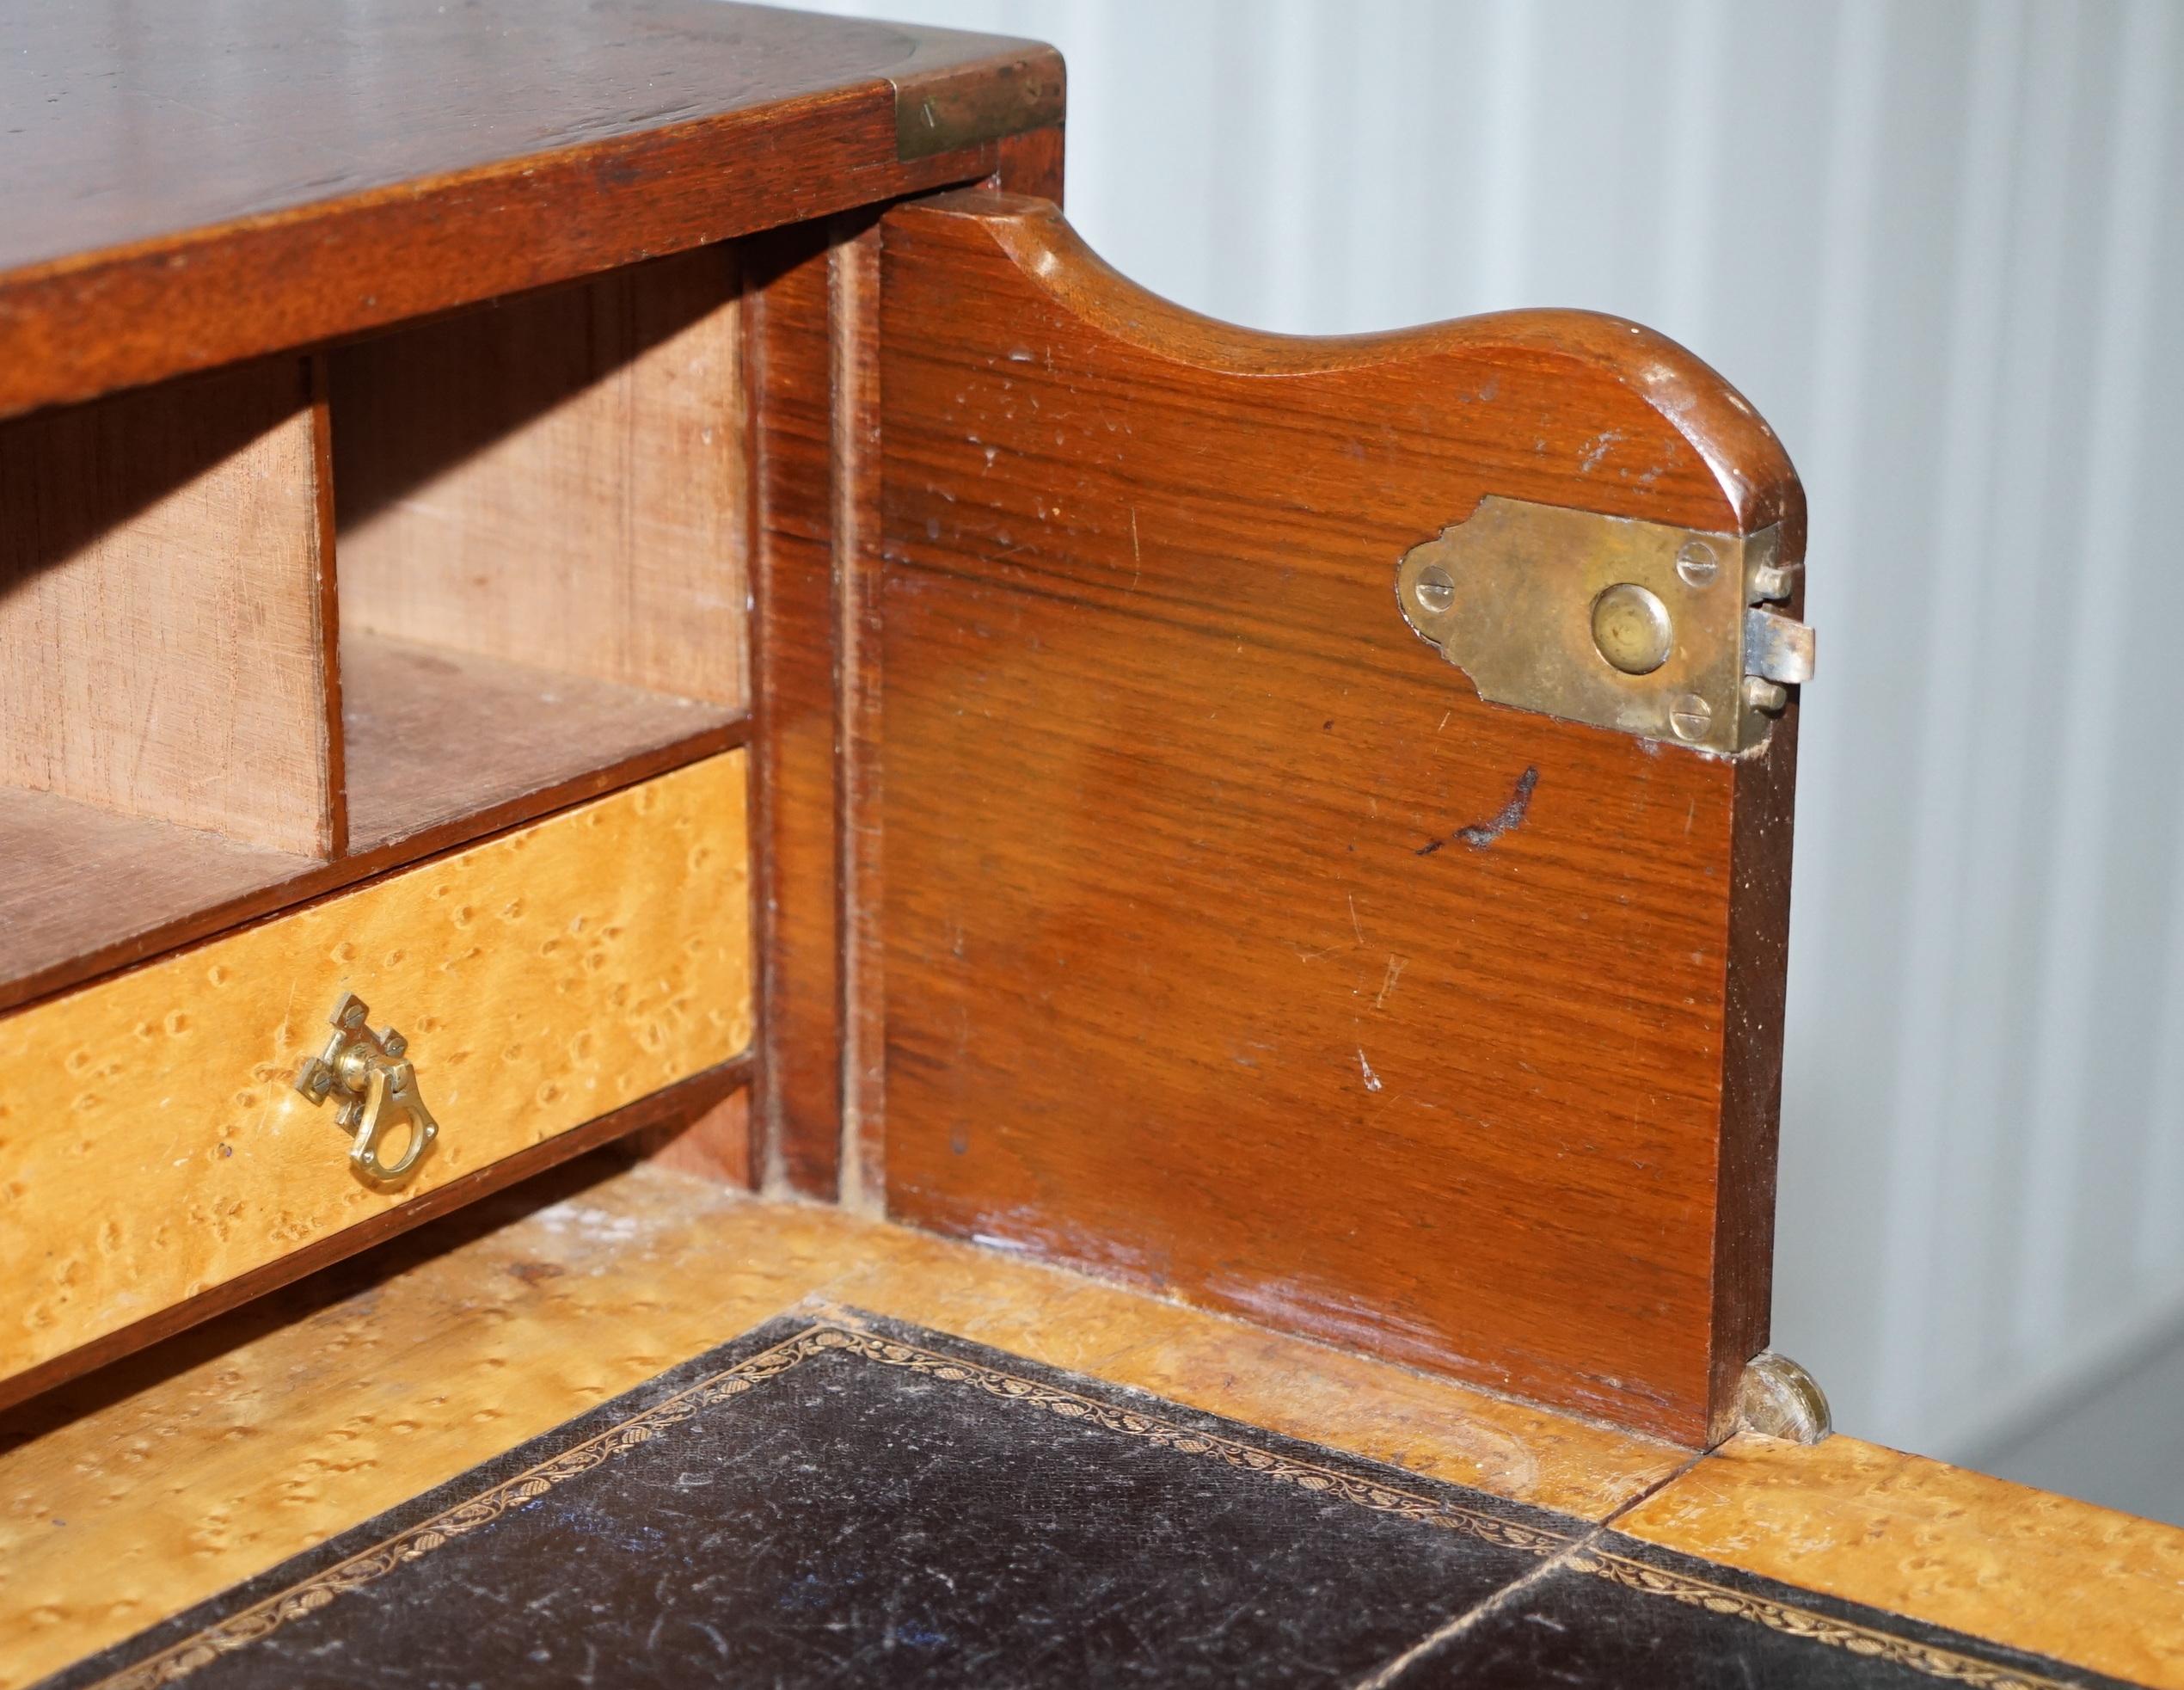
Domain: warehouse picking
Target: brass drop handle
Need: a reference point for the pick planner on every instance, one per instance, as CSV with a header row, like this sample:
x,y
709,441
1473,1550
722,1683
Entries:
x,y
370,1074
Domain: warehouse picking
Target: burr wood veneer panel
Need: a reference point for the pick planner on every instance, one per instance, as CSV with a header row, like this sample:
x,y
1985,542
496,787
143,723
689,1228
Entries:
x,y
2026,1568
281,1426
154,1143
1233,946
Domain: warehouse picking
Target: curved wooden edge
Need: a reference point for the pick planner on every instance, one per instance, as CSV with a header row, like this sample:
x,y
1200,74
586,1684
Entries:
x,y
1751,467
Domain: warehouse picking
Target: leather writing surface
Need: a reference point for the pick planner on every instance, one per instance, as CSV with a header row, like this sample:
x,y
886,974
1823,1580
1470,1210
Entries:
x,y
843,1500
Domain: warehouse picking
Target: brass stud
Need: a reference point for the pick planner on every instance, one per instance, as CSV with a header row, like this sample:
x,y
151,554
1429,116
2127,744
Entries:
x,y
1631,629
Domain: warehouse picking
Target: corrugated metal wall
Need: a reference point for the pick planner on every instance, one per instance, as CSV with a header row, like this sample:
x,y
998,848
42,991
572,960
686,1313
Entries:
x,y
1939,244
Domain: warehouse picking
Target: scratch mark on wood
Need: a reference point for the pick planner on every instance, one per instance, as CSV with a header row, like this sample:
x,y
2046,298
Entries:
x,y
1396,966
1356,926
1372,1079
1598,449
1480,834
1136,557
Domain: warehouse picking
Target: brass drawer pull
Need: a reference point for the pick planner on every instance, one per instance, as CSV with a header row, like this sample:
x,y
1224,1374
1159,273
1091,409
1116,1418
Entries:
x,y
377,1086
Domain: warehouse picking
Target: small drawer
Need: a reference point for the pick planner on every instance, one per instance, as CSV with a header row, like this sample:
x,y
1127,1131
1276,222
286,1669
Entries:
x,y
153,1144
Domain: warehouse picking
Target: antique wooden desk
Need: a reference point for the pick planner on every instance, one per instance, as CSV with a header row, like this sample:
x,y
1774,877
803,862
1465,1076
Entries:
x,y
1177,934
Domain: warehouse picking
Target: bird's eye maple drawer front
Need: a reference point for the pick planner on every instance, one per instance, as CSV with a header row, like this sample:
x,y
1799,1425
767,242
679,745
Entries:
x,y
1235,942
154,1143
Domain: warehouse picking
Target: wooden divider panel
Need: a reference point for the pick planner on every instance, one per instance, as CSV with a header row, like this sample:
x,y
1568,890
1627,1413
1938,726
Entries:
x,y
162,640
1235,948
789,360
556,481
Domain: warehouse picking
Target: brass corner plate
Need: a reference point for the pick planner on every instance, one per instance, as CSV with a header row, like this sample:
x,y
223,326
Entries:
x,y
1661,632
945,107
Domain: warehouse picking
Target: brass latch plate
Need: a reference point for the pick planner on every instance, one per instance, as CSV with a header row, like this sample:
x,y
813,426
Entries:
x,y
1662,632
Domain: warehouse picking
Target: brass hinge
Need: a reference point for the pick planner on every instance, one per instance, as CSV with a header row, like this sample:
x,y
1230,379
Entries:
x,y
1666,633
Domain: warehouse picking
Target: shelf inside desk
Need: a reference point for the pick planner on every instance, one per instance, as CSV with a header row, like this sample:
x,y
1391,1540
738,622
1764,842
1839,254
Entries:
x,y
270,632
435,735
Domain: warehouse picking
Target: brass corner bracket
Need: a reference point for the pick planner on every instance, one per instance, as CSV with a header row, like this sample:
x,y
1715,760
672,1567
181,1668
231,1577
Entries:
x,y
1666,633
942,106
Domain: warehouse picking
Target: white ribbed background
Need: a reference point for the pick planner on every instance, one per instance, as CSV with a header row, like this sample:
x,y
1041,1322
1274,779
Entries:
x,y
1939,243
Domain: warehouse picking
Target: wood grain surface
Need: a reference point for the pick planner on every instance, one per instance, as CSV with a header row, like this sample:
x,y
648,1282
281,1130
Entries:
x,y
163,886
853,283
155,1145
435,736
187,190
82,879
557,480
1032,163
161,645
714,1144
1234,947
1910,1535
797,1093
191,1466
812,317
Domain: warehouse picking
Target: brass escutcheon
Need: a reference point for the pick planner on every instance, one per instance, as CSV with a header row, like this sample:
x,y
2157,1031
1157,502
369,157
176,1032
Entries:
x,y
377,1086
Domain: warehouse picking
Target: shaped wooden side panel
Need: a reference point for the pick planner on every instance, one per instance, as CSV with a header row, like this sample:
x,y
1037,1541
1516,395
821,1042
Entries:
x,y
1235,948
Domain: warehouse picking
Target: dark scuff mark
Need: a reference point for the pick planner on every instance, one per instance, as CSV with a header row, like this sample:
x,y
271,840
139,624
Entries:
x,y
1480,834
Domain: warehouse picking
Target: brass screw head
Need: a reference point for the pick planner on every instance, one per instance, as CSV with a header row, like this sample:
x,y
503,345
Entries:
x,y
1631,627
1697,564
1433,589
1689,718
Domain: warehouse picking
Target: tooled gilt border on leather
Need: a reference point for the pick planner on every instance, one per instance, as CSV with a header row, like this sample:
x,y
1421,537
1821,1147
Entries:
x,y
262,1619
